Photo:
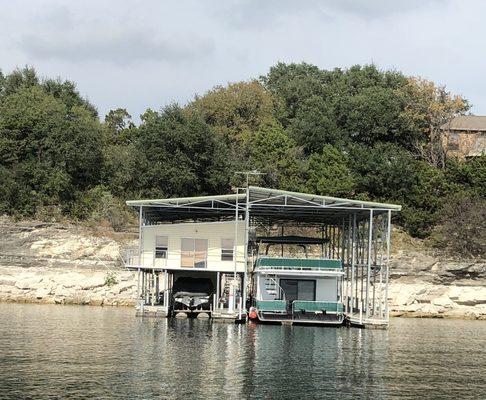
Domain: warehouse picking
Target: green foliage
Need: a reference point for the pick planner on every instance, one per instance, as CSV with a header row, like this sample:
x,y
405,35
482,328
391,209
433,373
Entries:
x,y
390,173
359,132
274,153
362,104
48,148
469,175
110,279
177,154
329,174
462,230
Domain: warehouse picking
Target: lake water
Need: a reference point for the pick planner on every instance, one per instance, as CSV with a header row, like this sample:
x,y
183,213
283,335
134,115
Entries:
x,y
69,352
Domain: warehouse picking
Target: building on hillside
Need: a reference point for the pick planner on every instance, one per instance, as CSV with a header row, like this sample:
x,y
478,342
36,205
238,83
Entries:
x,y
222,256
465,136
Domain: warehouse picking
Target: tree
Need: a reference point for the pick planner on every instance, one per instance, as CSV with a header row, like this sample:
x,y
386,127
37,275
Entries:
x,y
119,126
235,110
177,154
428,107
328,173
49,150
274,153
390,173
361,104
462,228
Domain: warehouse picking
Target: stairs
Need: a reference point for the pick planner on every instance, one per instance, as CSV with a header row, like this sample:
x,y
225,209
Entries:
x,y
271,287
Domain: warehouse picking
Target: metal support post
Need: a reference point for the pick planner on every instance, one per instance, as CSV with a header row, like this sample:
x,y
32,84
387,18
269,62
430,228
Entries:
x,y
245,249
368,272
218,284
388,241
353,251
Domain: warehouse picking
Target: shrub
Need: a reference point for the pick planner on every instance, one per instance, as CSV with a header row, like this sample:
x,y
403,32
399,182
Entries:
x,y
110,279
462,227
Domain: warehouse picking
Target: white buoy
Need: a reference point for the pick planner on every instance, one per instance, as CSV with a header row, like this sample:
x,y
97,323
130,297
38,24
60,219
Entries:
x,y
181,315
203,315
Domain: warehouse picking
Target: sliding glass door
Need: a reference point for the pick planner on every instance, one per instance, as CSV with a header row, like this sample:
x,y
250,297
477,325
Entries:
x,y
299,289
194,253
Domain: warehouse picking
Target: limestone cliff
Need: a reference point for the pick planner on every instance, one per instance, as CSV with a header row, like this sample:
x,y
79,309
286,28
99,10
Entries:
x,y
427,283
63,263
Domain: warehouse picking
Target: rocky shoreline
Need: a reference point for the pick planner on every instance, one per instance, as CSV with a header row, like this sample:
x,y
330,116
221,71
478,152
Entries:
x,y
63,264
69,264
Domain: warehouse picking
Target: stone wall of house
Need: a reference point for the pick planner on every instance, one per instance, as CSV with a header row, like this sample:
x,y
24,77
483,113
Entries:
x,y
465,144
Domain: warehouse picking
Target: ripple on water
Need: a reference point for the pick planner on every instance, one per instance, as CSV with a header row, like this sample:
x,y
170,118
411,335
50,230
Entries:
x,y
71,352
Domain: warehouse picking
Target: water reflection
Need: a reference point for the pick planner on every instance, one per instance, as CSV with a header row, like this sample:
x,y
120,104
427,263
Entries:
x,y
78,352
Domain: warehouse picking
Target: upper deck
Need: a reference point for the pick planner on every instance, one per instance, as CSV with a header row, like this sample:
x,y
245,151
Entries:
x,y
301,266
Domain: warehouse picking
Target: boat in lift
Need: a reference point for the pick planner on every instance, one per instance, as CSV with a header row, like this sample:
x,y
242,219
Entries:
x,y
192,295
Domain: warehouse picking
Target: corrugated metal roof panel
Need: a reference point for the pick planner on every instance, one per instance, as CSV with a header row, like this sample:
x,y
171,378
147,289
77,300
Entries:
x,y
466,123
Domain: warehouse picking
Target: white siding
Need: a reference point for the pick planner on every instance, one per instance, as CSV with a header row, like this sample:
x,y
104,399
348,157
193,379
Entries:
x,y
214,232
326,289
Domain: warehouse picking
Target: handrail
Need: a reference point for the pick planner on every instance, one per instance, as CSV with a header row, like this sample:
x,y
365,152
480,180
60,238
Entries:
x,y
295,263
312,306
299,268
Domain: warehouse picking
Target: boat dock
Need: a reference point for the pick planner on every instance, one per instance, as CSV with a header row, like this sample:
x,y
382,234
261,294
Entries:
x,y
266,254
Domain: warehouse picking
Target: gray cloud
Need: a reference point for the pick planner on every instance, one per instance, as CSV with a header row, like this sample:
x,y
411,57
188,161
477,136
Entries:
x,y
372,9
122,47
250,14
147,53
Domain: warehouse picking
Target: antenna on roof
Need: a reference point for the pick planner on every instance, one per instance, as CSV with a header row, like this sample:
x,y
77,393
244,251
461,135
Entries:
x,y
248,173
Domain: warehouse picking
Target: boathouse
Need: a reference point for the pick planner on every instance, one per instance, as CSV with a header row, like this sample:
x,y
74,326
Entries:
x,y
223,240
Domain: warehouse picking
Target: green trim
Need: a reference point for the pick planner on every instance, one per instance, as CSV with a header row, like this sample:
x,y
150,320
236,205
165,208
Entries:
x,y
312,306
289,263
271,305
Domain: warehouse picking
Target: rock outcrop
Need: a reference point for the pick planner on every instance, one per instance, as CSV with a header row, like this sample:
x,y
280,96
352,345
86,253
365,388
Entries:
x,y
425,283
63,264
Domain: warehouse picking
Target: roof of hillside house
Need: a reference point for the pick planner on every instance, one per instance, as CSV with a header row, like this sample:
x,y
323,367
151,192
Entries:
x,y
466,123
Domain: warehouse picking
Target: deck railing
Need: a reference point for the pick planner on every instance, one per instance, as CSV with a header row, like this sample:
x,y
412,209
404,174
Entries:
x,y
132,258
280,306
316,306
271,305
299,263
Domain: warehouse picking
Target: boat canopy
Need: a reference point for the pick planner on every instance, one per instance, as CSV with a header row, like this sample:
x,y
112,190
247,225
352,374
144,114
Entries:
x,y
262,204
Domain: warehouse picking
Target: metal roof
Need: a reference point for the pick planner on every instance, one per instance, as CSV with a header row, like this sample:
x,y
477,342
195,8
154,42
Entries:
x,y
259,192
268,205
466,123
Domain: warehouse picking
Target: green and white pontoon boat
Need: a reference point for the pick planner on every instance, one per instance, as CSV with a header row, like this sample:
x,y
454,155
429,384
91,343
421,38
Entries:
x,y
297,289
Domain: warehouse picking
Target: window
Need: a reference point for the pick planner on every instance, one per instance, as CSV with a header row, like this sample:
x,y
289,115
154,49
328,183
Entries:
x,y
161,246
299,289
194,253
227,249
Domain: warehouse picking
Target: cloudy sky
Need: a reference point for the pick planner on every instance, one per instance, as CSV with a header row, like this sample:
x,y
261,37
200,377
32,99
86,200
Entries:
x,y
143,53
